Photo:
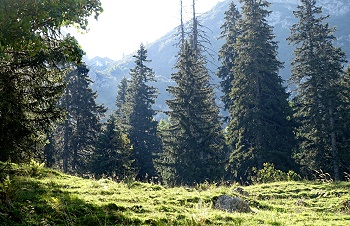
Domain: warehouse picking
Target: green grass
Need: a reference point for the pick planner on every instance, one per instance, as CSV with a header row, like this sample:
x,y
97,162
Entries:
x,y
33,195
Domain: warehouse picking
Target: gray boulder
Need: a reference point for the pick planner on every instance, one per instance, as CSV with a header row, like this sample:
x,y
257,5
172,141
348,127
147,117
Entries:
x,y
231,204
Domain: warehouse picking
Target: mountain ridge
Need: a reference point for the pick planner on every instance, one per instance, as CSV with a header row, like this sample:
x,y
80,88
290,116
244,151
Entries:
x,y
163,51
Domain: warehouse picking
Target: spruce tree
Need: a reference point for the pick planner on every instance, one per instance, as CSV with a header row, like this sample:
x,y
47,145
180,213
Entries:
x,y
113,153
120,101
193,143
141,126
227,53
317,68
343,135
260,130
121,95
29,90
80,130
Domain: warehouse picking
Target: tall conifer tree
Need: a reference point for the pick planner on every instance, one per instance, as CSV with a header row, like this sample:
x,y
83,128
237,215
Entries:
x,y
194,141
227,53
259,128
29,90
317,68
120,101
344,131
343,135
141,126
78,134
121,95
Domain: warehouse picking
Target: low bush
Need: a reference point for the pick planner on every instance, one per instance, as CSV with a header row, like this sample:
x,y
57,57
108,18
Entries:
x,y
270,174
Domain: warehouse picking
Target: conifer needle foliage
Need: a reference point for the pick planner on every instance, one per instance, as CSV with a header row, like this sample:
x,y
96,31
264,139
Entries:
x,y
139,115
193,144
259,130
317,72
33,57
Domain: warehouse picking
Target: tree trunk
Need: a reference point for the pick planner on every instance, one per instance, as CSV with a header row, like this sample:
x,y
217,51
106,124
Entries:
x,y
259,144
66,137
75,159
76,145
335,157
65,146
195,28
182,25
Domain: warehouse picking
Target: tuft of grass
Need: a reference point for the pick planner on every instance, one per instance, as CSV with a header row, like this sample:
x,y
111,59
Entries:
x,y
47,197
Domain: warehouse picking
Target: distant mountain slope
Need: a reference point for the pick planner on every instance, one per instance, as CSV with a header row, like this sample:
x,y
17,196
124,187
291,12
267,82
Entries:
x,y
163,51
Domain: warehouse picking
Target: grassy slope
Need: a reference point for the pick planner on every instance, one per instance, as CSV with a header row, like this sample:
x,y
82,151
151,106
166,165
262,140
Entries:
x,y
36,196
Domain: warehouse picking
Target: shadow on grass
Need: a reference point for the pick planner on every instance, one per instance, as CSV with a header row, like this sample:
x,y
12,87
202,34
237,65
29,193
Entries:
x,y
28,202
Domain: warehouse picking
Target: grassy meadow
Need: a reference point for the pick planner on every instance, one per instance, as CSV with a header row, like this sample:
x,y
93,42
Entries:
x,y
34,195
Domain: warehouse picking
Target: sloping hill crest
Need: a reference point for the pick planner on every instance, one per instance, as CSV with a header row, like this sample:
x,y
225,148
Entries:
x,y
163,51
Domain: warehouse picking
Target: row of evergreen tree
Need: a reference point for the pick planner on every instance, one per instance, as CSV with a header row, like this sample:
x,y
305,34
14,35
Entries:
x,y
304,131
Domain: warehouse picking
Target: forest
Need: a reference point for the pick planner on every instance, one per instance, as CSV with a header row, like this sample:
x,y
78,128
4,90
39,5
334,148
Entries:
x,y
49,113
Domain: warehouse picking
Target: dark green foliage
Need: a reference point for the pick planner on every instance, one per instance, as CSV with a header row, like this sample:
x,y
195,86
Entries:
x,y
120,101
78,134
29,89
317,70
141,126
194,141
33,53
113,153
227,53
260,129
344,113
121,96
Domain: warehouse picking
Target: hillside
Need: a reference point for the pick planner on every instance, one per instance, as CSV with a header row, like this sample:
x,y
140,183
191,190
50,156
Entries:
x,y
163,51
33,195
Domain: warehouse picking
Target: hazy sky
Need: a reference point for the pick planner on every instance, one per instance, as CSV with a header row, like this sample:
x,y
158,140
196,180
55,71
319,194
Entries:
x,y
124,24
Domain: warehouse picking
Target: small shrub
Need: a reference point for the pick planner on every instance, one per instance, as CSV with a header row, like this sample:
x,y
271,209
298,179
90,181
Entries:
x,y
35,168
270,174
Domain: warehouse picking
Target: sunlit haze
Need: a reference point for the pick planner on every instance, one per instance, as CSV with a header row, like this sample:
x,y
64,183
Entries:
x,y
125,24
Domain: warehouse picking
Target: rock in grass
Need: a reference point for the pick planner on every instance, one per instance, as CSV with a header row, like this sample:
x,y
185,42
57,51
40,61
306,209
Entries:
x,y
231,204
241,191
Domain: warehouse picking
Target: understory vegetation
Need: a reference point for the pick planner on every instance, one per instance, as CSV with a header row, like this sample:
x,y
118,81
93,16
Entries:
x,y
33,195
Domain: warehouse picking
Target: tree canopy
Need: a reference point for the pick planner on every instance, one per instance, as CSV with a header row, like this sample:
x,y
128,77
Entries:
x,y
317,69
34,57
193,143
139,115
260,130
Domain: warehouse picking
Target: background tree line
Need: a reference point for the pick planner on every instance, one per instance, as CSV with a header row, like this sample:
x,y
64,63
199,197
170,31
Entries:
x,y
48,110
